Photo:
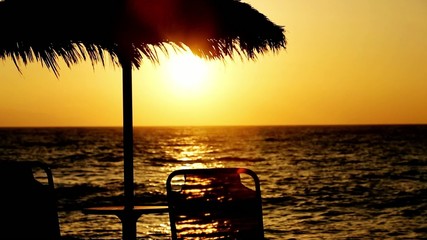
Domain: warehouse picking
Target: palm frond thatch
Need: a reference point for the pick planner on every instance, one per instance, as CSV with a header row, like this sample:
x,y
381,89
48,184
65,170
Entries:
x,y
80,30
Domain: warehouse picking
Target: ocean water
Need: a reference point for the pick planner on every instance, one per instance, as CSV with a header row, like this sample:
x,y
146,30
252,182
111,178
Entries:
x,y
317,182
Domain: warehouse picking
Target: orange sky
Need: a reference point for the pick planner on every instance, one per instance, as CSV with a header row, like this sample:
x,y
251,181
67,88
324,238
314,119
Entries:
x,y
347,62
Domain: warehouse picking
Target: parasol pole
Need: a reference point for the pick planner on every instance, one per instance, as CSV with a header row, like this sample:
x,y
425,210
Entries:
x,y
128,221
128,134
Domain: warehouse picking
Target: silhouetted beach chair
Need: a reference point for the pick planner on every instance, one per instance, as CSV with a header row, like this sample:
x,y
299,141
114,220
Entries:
x,y
28,207
215,203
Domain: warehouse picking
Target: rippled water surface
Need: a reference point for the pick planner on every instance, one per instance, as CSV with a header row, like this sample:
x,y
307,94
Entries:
x,y
318,182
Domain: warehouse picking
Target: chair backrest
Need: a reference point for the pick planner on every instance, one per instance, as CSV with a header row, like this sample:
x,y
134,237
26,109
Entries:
x,y
215,203
28,207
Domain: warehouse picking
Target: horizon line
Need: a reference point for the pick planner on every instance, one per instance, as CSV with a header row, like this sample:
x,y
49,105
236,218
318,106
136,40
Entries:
x,y
223,125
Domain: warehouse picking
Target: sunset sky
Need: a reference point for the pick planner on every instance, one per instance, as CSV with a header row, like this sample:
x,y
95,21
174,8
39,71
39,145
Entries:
x,y
347,62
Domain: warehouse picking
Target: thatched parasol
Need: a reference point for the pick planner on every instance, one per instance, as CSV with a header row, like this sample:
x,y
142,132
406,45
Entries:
x,y
129,31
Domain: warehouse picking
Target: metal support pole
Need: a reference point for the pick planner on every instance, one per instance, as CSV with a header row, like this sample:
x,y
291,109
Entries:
x,y
129,223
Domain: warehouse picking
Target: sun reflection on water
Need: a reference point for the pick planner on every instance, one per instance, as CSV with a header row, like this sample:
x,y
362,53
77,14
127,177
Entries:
x,y
196,155
187,149
195,152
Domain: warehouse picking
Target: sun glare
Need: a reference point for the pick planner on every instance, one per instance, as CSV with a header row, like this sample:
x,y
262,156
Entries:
x,y
187,73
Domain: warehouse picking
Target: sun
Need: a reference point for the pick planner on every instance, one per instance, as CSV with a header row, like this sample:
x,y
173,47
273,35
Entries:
x,y
187,73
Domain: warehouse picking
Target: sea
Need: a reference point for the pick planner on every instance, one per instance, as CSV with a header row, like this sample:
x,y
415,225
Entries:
x,y
317,182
